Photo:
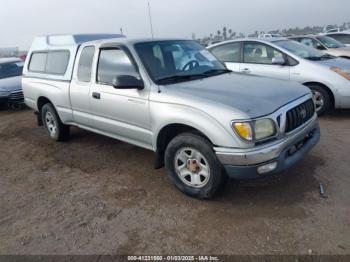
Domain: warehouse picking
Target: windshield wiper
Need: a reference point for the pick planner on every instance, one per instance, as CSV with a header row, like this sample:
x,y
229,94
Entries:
x,y
216,72
179,78
319,58
327,56
313,58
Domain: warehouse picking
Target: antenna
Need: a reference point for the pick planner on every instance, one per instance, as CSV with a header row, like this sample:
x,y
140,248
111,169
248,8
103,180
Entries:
x,y
150,19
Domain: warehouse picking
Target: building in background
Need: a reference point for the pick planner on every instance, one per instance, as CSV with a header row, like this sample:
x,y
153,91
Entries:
x,y
13,52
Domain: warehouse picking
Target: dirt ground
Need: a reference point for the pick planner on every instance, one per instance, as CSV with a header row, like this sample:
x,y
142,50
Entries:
x,y
95,195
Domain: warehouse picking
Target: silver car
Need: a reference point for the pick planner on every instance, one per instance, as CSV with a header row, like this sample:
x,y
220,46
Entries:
x,y
173,97
343,37
10,80
324,43
327,76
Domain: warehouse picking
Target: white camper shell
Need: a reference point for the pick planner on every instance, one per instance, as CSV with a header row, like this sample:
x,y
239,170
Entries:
x,y
58,52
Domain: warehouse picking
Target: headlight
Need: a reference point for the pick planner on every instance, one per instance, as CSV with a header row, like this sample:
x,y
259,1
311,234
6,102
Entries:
x,y
255,130
341,72
264,128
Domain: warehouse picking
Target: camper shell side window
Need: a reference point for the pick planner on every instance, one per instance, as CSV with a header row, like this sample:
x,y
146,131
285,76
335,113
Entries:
x,y
54,62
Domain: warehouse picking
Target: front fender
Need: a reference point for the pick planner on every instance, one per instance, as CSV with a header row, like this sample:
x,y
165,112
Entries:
x,y
164,114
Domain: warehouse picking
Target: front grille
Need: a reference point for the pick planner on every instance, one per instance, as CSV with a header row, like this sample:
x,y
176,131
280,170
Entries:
x,y
15,96
299,115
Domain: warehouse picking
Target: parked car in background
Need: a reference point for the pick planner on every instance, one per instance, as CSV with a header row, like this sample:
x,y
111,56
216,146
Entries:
x,y
269,35
324,43
333,30
343,37
175,98
10,81
23,57
327,76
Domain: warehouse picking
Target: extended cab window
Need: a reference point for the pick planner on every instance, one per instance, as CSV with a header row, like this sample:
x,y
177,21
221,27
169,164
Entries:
x,y
85,64
258,53
113,62
228,52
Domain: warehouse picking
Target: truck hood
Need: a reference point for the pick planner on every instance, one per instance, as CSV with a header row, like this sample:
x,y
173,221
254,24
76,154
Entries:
x,y
11,84
253,95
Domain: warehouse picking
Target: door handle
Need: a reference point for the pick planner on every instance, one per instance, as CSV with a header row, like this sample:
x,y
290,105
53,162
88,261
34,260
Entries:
x,y
246,71
96,95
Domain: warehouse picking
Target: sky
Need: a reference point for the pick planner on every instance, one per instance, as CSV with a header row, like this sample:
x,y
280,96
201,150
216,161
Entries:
x,y
21,20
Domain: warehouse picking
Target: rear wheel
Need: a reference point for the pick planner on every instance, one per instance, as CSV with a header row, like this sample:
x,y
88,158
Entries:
x,y
55,128
321,99
193,167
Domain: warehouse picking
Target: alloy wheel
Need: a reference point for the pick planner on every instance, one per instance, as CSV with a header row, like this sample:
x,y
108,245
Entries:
x,y
318,100
51,124
192,167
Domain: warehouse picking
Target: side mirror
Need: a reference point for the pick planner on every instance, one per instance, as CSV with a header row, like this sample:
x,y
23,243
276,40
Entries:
x,y
128,82
278,61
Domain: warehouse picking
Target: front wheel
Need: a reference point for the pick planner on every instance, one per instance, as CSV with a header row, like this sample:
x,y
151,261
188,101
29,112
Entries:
x,y
55,128
321,99
193,167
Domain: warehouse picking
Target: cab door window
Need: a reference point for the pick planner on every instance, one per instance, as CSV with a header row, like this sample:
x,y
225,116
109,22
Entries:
x,y
228,53
312,43
259,53
344,38
114,62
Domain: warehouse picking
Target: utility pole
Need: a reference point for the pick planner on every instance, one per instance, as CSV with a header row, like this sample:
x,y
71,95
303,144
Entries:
x,y
121,31
150,19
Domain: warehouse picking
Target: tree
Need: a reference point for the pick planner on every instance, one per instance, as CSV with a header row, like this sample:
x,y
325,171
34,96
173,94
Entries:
x,y
224,32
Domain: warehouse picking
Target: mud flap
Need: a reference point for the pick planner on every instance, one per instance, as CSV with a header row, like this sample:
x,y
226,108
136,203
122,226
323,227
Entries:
x,y
38,119
159,161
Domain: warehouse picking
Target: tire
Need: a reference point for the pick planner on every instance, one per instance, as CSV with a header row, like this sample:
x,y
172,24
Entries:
x,y
321,98
55,128
203,177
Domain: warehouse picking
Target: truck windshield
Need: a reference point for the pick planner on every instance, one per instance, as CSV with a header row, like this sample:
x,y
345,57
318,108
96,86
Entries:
x,y
302,50
330,42
11,69
178,61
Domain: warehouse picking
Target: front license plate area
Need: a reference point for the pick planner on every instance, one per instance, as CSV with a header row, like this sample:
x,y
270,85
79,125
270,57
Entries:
x,y
296,147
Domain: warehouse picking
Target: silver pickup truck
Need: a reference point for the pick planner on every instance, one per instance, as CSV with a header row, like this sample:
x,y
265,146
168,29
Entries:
x,y
204,122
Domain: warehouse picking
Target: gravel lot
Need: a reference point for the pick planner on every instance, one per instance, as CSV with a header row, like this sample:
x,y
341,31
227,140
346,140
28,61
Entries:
x,y
95,195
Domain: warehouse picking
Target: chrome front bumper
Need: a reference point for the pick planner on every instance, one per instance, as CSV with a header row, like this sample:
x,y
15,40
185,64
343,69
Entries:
x,y
243,163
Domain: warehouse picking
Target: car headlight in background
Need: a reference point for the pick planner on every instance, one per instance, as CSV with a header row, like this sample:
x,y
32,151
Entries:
x,y
341,72
255,130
